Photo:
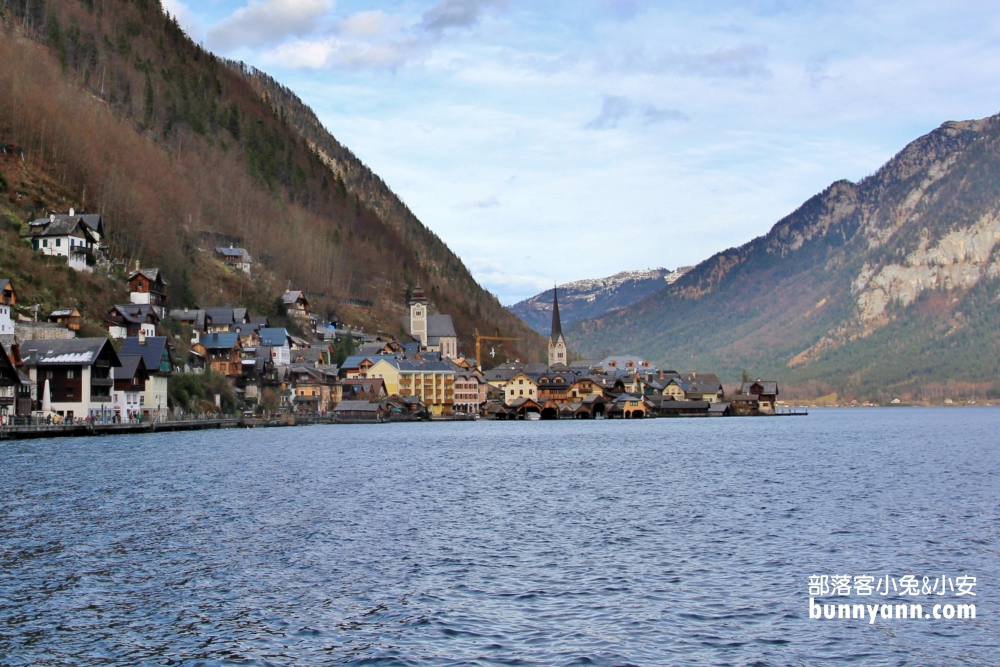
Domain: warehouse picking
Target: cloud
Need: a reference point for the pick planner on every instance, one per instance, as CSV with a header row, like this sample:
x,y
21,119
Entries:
x,y
816,70
457,13
335,51
489,202
740,62
368,24
264,22
652,114
613,109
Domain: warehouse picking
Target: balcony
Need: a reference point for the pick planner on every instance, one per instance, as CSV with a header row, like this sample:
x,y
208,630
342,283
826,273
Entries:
x,y
102,382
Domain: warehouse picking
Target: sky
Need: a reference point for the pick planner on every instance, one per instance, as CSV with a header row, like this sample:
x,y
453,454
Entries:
x,y
547,142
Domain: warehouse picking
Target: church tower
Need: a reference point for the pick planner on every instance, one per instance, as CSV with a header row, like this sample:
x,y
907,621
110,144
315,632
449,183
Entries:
x,y
558,354
418,315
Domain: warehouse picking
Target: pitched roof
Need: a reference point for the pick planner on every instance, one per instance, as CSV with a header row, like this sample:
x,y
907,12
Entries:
x,y
152,274
768,387
61,226
92,221
219,315
291,296
152,352
82,351
136,313
273,337
130,364
438,326
3,283
61,312
357,406
185,314
234,253
219,341
354,361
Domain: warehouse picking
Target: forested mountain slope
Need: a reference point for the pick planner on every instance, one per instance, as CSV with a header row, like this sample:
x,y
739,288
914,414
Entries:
x,y
118,112
882,288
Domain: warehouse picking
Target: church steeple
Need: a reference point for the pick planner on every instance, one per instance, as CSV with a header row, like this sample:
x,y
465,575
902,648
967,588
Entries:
x,y
558,353
556,323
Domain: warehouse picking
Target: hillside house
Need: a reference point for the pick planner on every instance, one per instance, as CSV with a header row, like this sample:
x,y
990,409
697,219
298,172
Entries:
x,y
157,356
356,367
316,391
70,236
78,373
629,364
67,317
279,342
8,299
129,320
237,259
130,383
147,287
223,353
297,306
10,389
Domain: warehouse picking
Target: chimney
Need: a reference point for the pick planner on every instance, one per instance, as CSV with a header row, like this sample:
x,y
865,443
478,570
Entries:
x,y
230,246
142,336
72,212
52,217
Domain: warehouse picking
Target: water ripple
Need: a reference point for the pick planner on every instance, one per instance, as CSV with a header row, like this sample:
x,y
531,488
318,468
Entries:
x,y
666,542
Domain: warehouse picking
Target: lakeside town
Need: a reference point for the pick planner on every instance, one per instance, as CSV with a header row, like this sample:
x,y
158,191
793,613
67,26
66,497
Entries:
x,y
49,374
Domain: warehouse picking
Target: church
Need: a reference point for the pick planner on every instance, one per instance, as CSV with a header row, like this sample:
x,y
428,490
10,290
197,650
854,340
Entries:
x,y
436,333
558,352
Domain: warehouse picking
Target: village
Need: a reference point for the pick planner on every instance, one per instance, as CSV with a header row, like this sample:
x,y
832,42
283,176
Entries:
x,y
51,375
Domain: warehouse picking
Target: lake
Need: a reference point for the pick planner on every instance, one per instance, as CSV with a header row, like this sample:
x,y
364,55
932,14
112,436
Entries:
x,y
656,542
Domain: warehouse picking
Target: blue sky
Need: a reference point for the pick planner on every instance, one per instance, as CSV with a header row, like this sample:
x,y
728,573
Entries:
x,y
549,142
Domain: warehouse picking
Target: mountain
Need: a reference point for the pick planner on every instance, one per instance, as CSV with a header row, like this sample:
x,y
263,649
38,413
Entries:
x,y
115,110
882,288
584,299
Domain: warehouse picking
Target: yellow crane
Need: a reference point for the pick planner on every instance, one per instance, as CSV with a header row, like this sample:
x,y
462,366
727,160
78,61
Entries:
x,y
480,339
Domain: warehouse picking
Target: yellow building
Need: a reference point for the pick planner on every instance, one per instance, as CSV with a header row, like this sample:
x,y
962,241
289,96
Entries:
x,y
433,382
520,386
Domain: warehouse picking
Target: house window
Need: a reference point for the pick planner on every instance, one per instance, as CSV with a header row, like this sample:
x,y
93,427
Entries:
x,y
138,284
70,374
69,393
135,381
58,243
45,243
48,375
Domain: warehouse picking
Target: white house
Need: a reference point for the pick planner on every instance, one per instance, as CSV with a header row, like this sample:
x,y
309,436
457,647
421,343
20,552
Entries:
x,y
78,372
69,236
8,298
156,355
279,342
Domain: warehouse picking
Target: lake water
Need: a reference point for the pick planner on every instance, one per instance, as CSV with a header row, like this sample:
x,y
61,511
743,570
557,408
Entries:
x,y
657,542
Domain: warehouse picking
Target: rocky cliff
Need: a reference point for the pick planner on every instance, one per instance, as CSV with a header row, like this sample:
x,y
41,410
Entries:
x,y
885,286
